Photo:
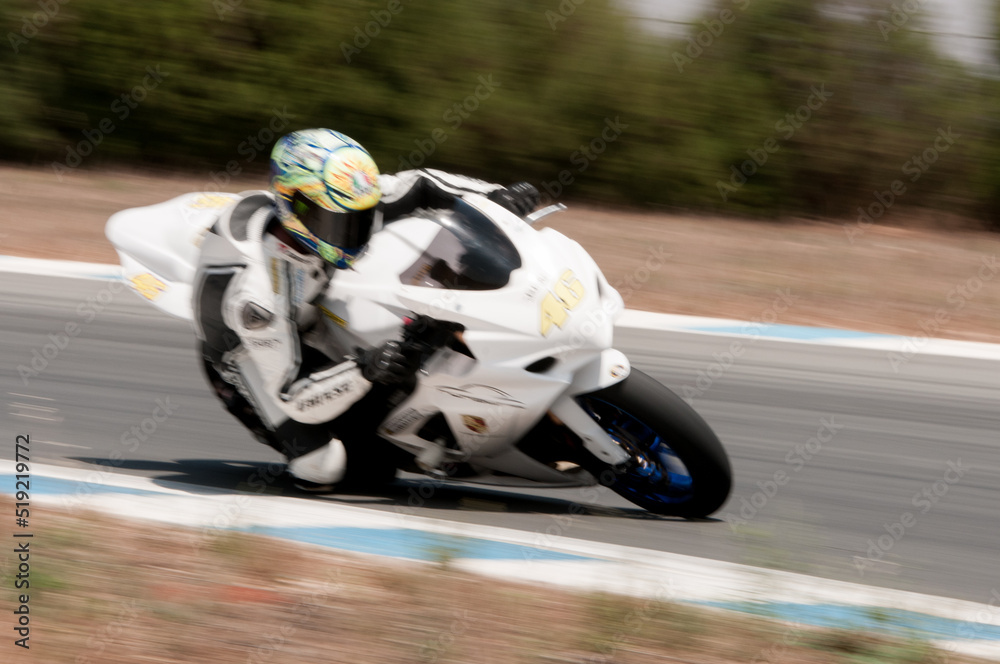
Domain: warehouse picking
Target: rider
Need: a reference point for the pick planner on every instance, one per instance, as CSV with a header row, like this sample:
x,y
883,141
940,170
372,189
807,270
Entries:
x,y
266,262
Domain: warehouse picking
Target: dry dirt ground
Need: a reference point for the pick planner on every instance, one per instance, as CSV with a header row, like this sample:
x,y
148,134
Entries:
x,y
110,591
908,281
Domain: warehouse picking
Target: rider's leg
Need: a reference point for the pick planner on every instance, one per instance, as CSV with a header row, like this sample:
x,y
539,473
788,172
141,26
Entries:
x,y
317,459
320,469
240,408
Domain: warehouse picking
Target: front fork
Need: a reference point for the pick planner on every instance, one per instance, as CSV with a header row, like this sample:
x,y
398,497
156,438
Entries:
x,y
610,367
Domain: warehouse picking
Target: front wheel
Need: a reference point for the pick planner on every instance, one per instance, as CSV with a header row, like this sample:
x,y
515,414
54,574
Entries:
x,y
678,466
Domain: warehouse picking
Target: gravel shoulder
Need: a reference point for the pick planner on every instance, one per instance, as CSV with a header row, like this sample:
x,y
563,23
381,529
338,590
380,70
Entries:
x,y
115,591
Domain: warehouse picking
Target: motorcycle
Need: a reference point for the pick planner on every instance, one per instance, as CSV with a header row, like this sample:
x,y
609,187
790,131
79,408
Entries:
x,y
518,385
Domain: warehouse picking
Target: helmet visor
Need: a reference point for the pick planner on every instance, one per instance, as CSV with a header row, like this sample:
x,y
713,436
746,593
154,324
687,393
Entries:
x,y
349,229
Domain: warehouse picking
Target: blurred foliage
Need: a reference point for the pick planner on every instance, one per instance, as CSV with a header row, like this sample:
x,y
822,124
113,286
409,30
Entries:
x,y
695,108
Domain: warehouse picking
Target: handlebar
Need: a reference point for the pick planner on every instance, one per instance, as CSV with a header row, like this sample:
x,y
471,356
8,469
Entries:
x,y
424,335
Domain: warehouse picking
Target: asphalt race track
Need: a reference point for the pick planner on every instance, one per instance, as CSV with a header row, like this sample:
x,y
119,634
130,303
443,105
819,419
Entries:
x,y
886,477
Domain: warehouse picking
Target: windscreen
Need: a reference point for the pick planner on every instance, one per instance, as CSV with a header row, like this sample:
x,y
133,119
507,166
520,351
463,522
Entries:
x,y
470,252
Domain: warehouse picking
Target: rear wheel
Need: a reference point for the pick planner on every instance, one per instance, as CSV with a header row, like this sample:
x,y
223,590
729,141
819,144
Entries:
x,y
678,466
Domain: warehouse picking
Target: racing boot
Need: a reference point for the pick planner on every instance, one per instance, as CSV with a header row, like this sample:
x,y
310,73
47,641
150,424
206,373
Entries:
x,y
431,459
319,471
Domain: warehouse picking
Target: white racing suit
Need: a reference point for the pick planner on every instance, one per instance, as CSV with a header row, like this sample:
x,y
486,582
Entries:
x,y
256,317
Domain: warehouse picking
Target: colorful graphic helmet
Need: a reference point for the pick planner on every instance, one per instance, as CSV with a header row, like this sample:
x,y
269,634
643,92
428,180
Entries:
x,y
326,188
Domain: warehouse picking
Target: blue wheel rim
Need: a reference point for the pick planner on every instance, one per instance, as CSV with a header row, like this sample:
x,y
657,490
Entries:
x,y
658,475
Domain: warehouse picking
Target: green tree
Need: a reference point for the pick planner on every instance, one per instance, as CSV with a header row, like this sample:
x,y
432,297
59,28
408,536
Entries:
x,y
516,89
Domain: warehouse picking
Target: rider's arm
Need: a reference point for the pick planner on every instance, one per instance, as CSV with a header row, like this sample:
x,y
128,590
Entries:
x,y
258,309
428,188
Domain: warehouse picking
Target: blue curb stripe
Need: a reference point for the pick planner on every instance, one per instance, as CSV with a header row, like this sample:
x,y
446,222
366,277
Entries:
x,y
799,332
394,542
420,545
412,544
51,486
894,622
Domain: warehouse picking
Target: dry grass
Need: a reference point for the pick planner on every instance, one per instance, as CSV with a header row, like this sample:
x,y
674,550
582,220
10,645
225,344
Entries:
x,y
889,279
112,591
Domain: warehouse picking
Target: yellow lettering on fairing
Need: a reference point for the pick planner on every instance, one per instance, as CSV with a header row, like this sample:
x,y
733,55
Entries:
x,y
210,201
556,305
148,286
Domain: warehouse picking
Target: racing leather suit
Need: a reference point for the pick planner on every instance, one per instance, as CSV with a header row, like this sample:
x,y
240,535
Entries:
x,y
255,310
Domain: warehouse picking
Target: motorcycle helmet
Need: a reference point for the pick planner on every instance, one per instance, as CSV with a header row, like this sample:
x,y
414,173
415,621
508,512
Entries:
x,y
326,188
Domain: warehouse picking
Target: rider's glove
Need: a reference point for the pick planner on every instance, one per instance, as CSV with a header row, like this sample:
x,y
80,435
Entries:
x,y
521,198
388,364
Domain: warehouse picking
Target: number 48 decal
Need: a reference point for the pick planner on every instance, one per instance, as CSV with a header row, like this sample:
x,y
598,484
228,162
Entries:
x,y
557,304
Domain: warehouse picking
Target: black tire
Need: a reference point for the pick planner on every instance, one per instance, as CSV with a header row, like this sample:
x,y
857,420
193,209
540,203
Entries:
x,y
642,399
371,462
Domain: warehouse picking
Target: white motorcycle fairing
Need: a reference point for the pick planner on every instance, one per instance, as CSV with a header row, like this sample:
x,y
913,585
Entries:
x,y
537,312
158,246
